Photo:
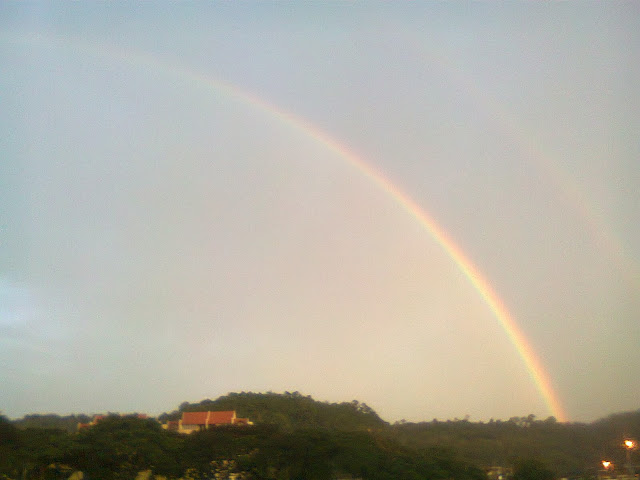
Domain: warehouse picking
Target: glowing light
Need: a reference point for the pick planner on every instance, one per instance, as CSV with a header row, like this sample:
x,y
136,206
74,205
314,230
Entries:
x,y
606,464
629,444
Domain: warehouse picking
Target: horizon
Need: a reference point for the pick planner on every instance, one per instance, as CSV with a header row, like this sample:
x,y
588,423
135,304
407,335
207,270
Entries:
x,y
155,416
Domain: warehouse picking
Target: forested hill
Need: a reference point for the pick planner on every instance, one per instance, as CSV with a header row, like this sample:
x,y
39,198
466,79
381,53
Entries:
x,y
294,437
68,422
289,410
569,449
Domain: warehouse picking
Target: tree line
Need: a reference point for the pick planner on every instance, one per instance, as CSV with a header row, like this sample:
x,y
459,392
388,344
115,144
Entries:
x,y
571,450
122,447
293,437
296,437
288,410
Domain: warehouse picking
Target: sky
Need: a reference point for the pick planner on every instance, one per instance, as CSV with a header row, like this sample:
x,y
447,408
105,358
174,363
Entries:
x,y
203,198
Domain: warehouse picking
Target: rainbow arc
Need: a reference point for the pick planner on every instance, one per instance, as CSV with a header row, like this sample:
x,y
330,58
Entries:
x,y
533,365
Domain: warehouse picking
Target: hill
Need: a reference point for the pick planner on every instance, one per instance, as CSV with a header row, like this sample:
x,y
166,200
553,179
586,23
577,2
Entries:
x,y
568,449
316,441
352,430
68,423
289,411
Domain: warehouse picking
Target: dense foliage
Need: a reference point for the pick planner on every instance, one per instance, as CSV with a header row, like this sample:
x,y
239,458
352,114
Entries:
x,y
295,437
531,469
567,449
68,422
289,410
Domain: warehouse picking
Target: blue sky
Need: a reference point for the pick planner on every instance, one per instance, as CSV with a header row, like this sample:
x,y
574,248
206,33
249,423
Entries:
x,y
162,240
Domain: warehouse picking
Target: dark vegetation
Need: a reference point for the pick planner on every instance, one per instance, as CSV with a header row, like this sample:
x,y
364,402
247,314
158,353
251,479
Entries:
x,y
295,437
290,410
68,423
567,449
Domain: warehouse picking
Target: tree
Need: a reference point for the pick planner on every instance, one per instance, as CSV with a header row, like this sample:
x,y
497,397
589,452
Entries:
x,y
9,445
120,447
8,432
531,469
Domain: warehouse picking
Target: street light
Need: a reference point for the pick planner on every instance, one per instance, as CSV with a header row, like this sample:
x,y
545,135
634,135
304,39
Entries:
x,y
607,465
629,444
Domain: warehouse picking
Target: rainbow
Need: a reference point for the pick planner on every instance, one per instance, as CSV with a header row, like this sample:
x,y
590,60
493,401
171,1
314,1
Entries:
x,y
523,138
533,365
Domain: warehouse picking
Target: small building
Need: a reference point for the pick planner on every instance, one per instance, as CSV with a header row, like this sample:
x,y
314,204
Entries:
x,y
197,421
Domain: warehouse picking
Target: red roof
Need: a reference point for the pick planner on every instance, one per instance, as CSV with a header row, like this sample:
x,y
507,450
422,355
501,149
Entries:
x,y
208,418
194,418
218,418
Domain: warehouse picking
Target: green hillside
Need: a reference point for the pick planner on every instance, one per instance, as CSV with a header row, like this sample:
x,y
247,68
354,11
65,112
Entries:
x,y
295,436
289,411
568,449
68,422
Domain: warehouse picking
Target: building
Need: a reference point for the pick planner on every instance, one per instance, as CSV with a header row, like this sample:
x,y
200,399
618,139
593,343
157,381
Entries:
x,y
197,421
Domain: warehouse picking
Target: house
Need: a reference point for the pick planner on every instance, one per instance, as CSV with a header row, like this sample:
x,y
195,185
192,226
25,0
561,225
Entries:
x,y
196,421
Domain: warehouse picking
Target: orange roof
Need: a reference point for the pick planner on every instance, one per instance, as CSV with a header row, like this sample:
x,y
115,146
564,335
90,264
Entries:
x,y
208,418
194,418
218,418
